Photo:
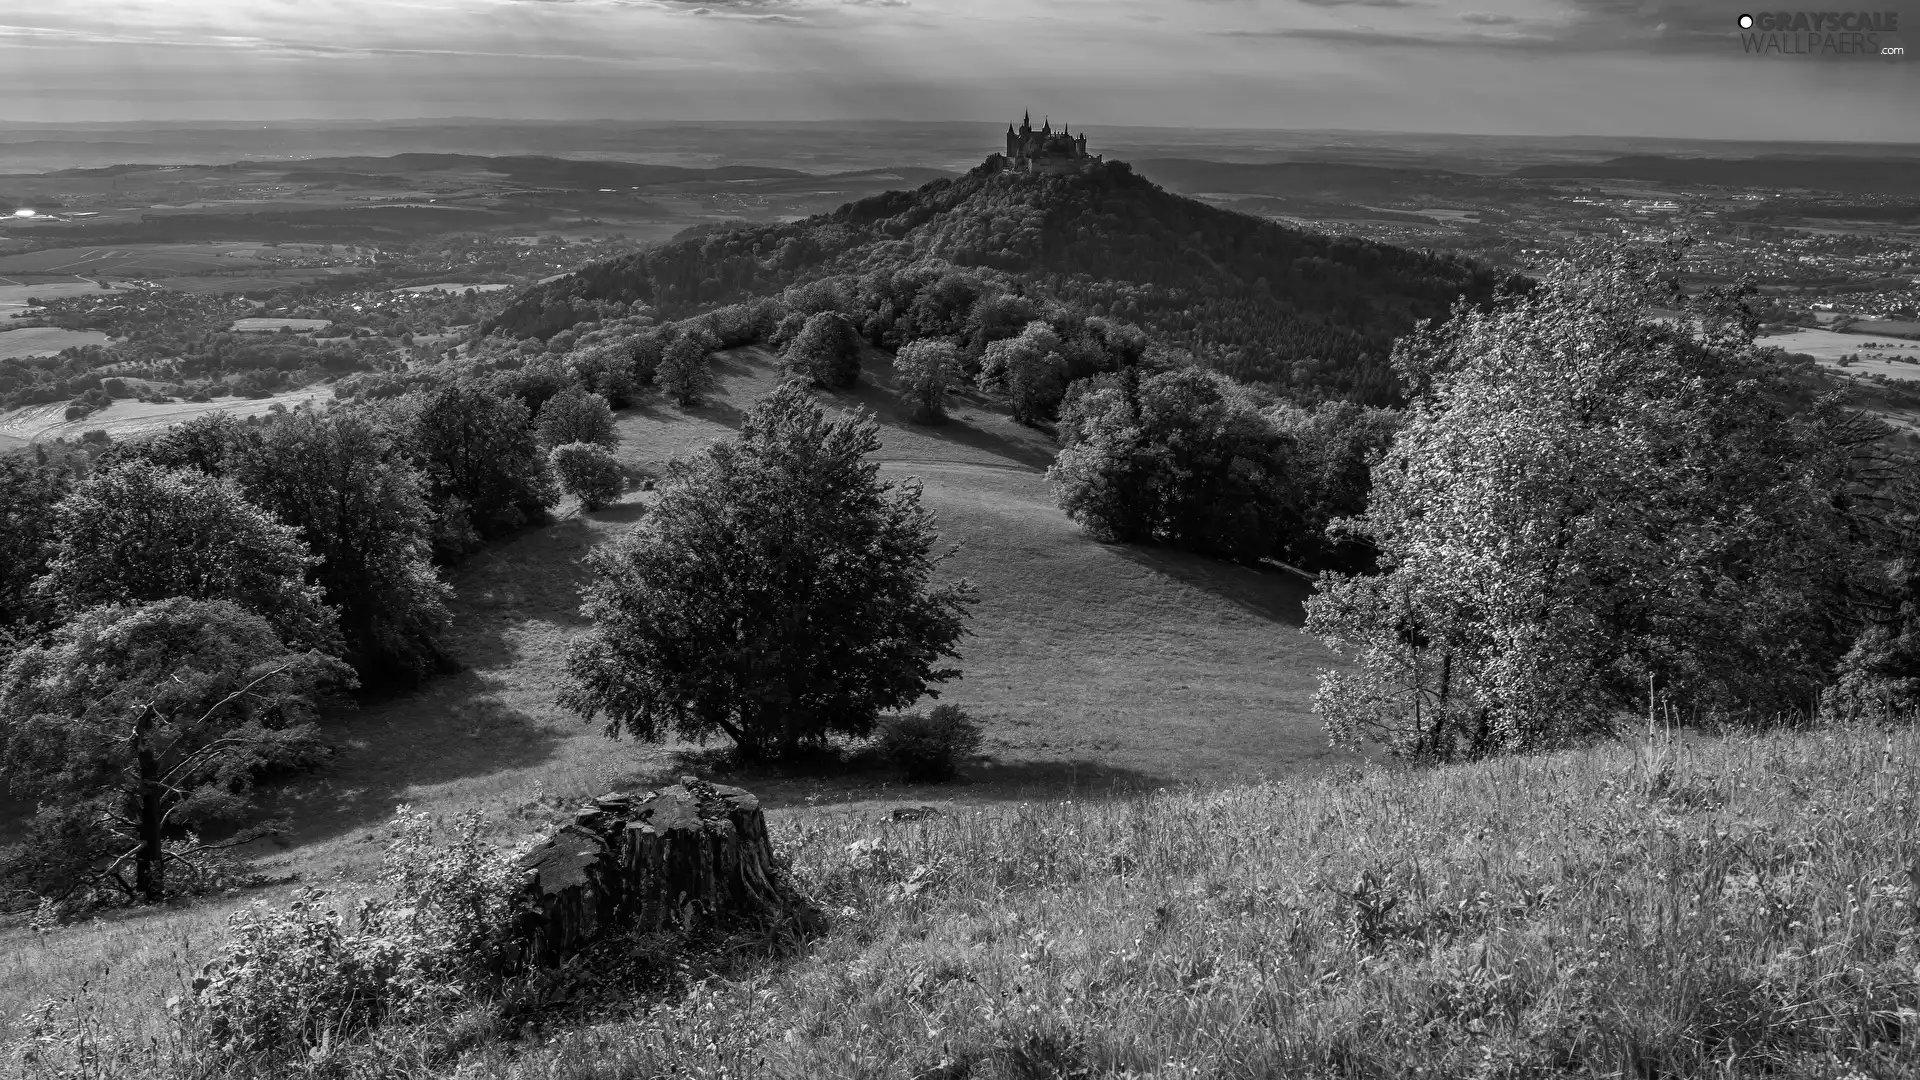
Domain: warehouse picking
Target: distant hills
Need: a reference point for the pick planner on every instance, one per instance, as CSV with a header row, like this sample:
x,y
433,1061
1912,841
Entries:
x,y
1298,179
1855,176
1254,298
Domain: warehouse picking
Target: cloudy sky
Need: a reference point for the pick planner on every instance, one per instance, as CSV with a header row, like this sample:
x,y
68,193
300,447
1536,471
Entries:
x,y
1611,67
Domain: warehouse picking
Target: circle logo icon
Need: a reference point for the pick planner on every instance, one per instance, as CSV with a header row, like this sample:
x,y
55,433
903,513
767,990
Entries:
x,y
1746,22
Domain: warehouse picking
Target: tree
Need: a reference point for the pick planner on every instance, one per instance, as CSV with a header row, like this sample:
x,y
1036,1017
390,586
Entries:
x,y
361,507
684,373
825,350
588,472
139,724
1182,458
778,592
924,370
1586,502
28,493
485,471
575,416
137,532
1337,443
1029,369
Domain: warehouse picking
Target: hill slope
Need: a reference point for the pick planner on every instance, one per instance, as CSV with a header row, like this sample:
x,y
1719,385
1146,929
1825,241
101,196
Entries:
x,y
1253,298
1090,666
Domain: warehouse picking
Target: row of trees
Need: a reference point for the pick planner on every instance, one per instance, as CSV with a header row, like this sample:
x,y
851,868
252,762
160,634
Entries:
x,y
177,613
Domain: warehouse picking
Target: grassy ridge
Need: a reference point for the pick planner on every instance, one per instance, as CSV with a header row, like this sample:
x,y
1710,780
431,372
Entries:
x,y
1092,668
1729,908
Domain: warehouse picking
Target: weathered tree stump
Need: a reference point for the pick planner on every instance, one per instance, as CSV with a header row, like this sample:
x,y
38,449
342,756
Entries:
x,y
687,857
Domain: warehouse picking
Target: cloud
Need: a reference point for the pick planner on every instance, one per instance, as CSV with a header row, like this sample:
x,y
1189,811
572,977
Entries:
x,y
1647,27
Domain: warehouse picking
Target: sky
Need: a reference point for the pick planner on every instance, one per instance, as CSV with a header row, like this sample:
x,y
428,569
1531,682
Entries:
x,y
1524,67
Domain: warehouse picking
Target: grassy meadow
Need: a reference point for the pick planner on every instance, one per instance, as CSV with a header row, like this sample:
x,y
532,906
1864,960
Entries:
x,y
1153,874
1094,669
1655,908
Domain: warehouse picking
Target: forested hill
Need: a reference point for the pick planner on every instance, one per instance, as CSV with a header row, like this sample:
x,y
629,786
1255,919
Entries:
x,y
1258,300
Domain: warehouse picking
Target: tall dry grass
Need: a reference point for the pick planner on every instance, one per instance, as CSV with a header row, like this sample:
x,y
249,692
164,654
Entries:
x,y
1724,908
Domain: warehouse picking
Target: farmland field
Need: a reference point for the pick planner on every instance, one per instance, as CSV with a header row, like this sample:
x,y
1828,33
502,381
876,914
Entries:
x,y
15,294
452,287
1894,359
242,326
38,423
134,260
45,341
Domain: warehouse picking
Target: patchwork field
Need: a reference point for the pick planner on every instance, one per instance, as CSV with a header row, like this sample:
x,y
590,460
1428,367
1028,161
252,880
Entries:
x,y
127,419
243,326
1885,356
1093,668
44,341
453,287
14,294
133,260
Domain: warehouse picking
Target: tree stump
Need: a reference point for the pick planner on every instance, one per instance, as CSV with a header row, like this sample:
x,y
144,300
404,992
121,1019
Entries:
x,y
693,856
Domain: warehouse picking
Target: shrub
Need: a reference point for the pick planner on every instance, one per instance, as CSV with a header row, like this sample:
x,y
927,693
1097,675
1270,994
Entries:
x,y
116,388
929,746
588,472
292,984
576,416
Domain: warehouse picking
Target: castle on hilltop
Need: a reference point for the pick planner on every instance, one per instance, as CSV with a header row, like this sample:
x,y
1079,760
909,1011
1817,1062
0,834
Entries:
x,y
1046,151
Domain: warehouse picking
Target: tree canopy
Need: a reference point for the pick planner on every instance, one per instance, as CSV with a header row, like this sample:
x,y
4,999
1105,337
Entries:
x,y
1588,502
139,724
137,532
779,591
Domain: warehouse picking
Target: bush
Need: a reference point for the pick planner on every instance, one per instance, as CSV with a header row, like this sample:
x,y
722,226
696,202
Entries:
x,y
929,747
293,984
588,472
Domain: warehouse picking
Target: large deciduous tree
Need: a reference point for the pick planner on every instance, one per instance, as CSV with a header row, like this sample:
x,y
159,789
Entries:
x,y
778,592
484,467
137,532
1587,500
825,350
1183,458
358,503
924,370
140,724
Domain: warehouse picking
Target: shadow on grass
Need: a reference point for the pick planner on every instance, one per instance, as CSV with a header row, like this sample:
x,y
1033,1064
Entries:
x,y
838,776
1270,593
891,412
456,727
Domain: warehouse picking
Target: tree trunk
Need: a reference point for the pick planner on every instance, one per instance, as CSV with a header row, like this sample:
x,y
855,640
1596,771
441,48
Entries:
x,y
691,856
149,858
